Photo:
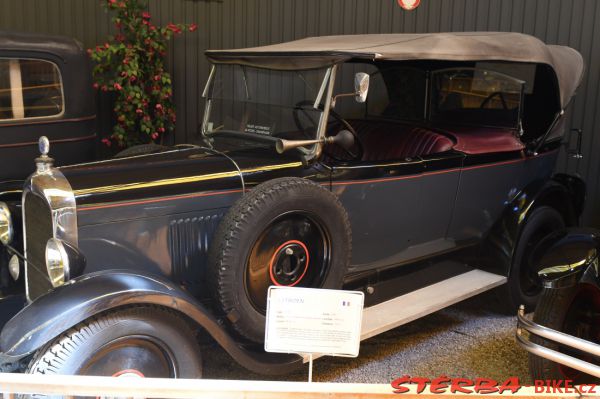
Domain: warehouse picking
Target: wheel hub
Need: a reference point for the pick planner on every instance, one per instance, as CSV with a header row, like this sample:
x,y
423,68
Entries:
x,y
289,263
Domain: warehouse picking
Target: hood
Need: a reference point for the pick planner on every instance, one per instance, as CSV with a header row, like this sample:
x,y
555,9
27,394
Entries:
x,y
174,172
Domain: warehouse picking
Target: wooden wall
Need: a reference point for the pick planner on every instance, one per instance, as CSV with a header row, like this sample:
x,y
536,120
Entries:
x,y
241,23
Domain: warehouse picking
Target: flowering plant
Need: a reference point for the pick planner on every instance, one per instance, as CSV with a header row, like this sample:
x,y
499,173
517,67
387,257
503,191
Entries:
x,y
131,64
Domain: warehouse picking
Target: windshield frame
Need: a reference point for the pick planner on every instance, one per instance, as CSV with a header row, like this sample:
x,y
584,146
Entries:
x,y
327,85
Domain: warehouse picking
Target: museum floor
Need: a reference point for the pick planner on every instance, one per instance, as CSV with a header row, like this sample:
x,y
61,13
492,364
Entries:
x,y
466,340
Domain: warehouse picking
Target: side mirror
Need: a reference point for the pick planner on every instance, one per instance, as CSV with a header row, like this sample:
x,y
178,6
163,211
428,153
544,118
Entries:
x,y
361,86
361,89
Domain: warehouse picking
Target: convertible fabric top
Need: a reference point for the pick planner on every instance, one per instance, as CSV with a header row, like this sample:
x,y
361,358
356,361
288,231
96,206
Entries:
x,y
318,52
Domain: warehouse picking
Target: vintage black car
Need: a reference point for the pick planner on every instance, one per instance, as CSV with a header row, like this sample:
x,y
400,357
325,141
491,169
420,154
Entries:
x,y
430,184
45,88
564,336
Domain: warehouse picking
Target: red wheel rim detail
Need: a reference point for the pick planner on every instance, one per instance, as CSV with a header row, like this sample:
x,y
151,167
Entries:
x,y
277,251
128,371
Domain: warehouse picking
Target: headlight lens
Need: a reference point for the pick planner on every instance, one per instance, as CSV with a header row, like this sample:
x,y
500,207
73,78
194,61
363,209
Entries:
x,y
57,262
6,227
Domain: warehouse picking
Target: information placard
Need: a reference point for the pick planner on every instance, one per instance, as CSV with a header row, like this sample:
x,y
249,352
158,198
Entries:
x,y
317,321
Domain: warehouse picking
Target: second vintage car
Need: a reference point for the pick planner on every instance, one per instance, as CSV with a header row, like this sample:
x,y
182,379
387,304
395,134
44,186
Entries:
x,y
417,168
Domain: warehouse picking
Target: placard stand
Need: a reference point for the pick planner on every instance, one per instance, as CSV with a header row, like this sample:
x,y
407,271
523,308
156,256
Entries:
x,y
313,321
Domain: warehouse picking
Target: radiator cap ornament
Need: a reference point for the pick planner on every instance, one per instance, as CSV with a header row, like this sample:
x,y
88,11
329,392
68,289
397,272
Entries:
x,y
44,162
44,145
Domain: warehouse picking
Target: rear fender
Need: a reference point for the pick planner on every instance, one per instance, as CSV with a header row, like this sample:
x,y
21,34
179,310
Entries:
x,y
55,312
565,193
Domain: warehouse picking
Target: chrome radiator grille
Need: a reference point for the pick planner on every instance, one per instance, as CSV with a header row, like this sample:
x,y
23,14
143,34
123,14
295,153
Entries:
x,y
38,229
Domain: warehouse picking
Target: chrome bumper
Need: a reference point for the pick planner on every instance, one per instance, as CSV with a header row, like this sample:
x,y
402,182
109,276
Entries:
x,y
525,324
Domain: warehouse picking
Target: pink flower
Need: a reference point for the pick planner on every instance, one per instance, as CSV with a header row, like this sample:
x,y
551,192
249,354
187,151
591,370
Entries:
x,y
193,28
154,136
161,129
118,86
159,107
174,28
106,45
139,111
157,77
146,15
106,142
96,86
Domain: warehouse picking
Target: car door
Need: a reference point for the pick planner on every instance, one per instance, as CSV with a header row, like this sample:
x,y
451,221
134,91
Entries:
x,y
383,203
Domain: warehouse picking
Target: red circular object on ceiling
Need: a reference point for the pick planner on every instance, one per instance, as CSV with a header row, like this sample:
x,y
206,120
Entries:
x,y
409,4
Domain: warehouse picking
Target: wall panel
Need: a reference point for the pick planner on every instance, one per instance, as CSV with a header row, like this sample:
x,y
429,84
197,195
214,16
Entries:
x,y
240,23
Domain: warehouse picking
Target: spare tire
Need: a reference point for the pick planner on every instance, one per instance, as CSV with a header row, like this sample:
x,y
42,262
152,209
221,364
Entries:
x,y
285,232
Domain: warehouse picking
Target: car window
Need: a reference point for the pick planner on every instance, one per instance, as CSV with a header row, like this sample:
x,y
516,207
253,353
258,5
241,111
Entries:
x,y
471,96
29,89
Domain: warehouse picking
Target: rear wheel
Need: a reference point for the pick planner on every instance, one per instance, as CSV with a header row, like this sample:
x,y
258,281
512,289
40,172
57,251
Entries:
x,y
285,232
524,285
574,311
130,342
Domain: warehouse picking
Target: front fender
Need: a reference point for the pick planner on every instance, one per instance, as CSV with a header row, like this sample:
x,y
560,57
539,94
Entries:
x,y
55,312
568,257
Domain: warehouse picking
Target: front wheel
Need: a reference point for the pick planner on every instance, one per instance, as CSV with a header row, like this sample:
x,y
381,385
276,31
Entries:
x,y
130,342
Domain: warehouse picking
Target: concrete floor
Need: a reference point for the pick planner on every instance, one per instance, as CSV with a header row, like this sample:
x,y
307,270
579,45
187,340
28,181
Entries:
x,y
468,340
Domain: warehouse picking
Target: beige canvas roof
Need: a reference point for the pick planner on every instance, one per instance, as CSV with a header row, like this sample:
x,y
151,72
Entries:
x,y
316,52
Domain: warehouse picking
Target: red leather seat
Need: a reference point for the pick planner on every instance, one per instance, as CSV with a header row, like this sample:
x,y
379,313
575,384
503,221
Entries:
x,y
383,141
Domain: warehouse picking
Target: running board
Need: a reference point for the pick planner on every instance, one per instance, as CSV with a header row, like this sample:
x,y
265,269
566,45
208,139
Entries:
x,y
406,308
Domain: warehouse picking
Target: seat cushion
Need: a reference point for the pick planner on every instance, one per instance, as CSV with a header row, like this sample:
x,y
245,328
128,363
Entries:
x,y
384,141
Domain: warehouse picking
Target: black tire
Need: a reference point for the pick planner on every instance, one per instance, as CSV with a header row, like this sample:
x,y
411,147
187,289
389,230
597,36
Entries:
x,y
562,310
142,149
152,341
524,286
253,235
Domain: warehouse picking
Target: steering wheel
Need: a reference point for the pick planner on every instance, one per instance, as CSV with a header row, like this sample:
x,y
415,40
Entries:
x,y
494,94
301,107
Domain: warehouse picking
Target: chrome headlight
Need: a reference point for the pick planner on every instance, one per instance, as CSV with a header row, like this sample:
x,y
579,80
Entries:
x,y
6,226
57,262
63,261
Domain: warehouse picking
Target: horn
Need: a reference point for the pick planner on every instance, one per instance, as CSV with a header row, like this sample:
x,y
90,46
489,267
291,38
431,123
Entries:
x,y
283,145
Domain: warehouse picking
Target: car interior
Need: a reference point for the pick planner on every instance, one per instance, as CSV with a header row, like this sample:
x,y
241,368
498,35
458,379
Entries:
x,y
422,108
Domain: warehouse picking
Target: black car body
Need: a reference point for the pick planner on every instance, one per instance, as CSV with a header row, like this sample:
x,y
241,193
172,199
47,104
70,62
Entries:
x,y
45,89
438,173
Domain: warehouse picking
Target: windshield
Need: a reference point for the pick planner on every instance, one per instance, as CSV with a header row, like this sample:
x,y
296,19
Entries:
x,y
255,105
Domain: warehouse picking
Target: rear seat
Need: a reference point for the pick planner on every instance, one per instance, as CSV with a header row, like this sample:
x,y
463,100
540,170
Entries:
x,y
383,141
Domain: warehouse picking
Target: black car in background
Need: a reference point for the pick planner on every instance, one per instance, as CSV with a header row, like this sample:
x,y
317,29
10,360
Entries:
x,y
564,336
45,89
392,164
